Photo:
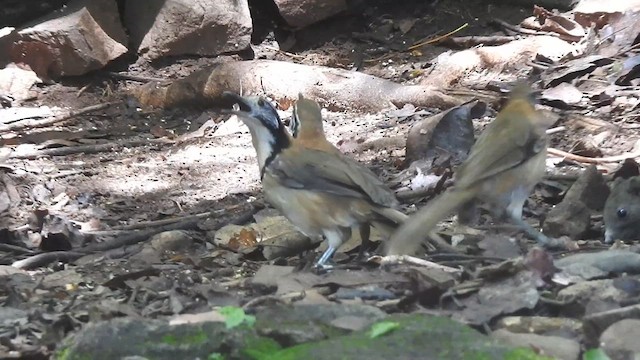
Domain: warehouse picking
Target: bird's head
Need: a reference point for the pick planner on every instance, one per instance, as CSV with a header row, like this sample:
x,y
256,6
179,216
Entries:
x,y
267,130
307,119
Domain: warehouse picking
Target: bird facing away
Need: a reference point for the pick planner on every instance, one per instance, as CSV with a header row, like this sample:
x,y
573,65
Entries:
x,y
322,193
503,166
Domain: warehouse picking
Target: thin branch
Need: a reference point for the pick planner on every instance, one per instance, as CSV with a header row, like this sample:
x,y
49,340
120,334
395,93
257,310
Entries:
x,y
31,123
87,149
593,160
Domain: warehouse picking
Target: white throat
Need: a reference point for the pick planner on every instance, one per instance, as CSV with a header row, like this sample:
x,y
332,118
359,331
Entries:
x,y
263,142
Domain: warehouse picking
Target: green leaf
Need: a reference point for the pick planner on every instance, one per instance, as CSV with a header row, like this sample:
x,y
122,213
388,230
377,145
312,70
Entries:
x,y
262,349
524,353
235,316
382,328
215,356
595,354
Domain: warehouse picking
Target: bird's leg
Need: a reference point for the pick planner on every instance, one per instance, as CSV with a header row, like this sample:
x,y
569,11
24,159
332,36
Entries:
x,y
365,244
541,238
335,238
321,264
468,213
514,212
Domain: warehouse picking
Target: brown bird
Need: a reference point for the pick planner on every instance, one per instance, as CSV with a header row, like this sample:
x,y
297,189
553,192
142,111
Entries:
x,y
323,193
503,166
307,128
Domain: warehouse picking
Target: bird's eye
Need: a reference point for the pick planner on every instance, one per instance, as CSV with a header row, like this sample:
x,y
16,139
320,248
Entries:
x,y
260,102
622,213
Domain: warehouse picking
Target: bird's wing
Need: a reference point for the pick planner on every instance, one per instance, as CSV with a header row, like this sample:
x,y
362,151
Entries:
x,y
509,146
332,173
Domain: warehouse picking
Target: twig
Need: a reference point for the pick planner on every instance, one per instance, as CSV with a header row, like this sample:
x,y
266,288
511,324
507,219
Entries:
x,y
116,230
15,249
30,123
87,149
412,194
295,56
592,160
438,38
416,46
555,130
43,259
186,224
451,257
561,177
471,41
137,78
399,259
257,301
514,28
148,224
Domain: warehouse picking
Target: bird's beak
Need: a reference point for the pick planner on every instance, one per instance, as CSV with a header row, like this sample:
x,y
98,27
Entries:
x,y
252,109
231,98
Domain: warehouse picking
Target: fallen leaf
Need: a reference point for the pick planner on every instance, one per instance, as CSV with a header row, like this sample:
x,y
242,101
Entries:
x,y
382,328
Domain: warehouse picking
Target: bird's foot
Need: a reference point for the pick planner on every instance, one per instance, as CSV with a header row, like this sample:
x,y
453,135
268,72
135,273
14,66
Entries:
x,y
542,239
322,262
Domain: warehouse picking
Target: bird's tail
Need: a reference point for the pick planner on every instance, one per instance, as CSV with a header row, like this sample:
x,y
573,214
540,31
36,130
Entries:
x,y
409,236
388,220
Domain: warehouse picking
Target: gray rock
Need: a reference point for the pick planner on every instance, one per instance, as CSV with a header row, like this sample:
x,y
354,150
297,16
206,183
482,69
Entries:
x,y
554,346
620,340
300,13
174,240
188,27
570,217
83,36
541,325
410,336
590,188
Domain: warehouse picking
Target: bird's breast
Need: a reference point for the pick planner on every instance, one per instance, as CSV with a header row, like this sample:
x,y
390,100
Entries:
x,y
313,211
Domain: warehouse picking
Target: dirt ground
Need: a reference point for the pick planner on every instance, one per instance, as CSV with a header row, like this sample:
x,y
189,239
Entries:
x,y
216,169
219,170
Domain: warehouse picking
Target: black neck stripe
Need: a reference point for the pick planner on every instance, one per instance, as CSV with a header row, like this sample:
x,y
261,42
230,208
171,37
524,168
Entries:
x,y
281,142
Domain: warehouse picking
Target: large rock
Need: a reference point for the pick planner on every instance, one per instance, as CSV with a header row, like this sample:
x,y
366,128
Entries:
x,y
82,37
620,340
300,13
188,27
287,332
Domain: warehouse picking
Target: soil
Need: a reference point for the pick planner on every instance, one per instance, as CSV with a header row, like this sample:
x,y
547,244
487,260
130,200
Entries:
x,y
218,170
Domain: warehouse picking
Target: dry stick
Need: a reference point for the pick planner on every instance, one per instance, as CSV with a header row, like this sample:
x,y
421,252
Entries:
x,y
136,237
30,123
15,249
591,160
471,41
88,149
555,130
148,224
399,259
118,230
437,39
47,258
142,79
125,240
295,56
412,194
421,44
520,29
